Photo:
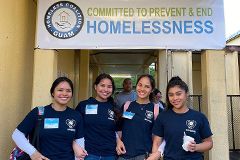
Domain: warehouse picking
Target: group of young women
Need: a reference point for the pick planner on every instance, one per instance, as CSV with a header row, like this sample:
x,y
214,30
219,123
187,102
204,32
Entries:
x,y
97,130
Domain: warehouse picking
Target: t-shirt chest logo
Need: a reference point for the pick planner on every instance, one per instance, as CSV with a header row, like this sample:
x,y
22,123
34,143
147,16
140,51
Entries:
x,y
71,123
149,116
191,124
110,114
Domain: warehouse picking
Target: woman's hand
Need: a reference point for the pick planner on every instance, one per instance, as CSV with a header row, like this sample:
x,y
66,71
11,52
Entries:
x,y
192,146
120,148
38,156
154,156
79,152
206,145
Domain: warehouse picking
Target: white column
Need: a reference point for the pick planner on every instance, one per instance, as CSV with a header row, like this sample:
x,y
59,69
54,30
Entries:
x,y
84,75
232,73
214,101
181,65
45,72
95,73
162,72
174,64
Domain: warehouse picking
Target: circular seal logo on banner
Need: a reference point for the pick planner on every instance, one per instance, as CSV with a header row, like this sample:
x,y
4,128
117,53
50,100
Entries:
x,y
64,20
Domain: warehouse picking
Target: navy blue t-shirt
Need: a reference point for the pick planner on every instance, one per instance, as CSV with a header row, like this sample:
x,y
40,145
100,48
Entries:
x,y
99,127
171,126
57,132
137,132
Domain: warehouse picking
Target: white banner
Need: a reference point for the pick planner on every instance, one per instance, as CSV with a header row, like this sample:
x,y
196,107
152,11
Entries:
x,y
130,24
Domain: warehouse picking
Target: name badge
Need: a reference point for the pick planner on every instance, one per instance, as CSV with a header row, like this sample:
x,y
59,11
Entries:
x,y
91,108
128,115
50,123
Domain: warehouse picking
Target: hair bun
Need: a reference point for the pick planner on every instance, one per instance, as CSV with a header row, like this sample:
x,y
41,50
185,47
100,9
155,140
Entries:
x,y
176,78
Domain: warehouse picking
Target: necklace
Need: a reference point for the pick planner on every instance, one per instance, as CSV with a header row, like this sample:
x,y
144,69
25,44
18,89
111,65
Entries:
x,y
142,104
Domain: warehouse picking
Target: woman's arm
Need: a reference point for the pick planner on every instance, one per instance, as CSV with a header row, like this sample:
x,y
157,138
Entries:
x,y
156,154
120,148
78,148
23,143
156,143
206,145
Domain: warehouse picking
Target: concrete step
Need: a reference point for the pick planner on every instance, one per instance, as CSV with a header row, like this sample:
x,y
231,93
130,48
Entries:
x,y
234,155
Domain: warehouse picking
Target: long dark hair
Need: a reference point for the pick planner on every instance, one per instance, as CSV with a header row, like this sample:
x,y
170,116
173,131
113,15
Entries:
x,y
153,94
175,81
59,80
115,109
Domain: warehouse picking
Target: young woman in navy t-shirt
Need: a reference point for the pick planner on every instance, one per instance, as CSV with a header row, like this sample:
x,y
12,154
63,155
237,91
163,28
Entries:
x,y
138,120
61,126
100,120
178,123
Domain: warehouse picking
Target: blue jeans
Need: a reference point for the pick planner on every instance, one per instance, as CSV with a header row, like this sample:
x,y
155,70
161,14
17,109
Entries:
x,y
140,157
94,157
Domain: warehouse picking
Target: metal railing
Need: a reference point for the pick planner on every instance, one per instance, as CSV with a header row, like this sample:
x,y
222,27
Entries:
x,y
233,106
233,111
195,102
